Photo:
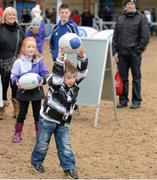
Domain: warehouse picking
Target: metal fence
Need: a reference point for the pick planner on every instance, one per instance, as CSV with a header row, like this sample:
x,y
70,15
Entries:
x,y
100,25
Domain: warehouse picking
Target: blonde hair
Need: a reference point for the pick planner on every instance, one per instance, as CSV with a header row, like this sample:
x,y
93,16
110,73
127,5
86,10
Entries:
x,y
24,43
70,66
6,12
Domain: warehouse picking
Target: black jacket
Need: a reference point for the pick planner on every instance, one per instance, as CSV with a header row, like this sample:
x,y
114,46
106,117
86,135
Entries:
x,y
8,40
30,95
131,34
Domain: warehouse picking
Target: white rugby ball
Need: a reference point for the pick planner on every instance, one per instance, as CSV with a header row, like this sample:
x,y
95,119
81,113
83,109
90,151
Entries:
x,y
29,81
70,43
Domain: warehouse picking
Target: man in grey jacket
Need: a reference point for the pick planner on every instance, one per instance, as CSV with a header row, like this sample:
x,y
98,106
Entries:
x,y
131,36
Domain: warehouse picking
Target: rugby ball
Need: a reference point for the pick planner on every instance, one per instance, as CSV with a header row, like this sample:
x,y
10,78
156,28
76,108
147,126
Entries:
x,y
70,43
29,81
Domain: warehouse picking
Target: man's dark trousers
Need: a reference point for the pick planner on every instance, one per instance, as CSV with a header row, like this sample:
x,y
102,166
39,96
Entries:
x,y
134,62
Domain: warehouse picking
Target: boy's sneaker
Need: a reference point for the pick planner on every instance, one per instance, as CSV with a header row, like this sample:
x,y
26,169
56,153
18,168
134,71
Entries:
x,y
38,168
72,173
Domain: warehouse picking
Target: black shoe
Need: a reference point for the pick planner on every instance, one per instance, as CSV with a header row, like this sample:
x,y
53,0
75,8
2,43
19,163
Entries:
x,y
38,168
135,106
72,173
119,105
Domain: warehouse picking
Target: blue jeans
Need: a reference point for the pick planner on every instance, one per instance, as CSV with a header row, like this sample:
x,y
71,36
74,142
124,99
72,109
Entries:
x,y
62,139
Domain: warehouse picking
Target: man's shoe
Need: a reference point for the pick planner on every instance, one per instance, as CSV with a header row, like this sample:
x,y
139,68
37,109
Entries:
x,y
135,106
72,173
38,168
119,105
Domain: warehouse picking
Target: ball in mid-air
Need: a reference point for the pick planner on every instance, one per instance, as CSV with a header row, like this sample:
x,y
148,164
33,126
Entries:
x,y
70,43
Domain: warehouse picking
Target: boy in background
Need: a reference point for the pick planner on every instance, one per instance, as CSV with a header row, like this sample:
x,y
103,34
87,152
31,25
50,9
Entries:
x,y
65,25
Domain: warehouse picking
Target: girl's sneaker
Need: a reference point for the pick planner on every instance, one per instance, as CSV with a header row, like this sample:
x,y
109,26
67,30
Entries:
x,y
16,137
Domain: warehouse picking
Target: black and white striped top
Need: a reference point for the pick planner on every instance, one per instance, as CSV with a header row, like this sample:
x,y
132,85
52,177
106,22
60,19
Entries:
x,y
60,100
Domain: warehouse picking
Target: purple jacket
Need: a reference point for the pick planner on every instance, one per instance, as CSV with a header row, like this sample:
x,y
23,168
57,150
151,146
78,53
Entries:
x,y
24,65
39,37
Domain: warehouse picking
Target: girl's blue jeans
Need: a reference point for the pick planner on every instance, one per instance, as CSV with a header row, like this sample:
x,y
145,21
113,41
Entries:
x,y
62,140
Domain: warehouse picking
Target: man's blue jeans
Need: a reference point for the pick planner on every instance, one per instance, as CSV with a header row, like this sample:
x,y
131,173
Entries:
x,y
62,139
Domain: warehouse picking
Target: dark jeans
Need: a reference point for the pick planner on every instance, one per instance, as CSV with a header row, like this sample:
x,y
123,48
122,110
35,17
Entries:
x,y
5,77
132,62
36,105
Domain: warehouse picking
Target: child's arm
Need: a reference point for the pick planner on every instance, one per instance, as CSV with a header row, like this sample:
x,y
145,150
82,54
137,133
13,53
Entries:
x,y
43,71
47,29
28,31
57,77
53,51
15,73
81,65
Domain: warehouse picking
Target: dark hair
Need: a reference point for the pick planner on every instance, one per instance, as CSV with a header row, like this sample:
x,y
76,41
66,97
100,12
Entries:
x,y
64,6
126,1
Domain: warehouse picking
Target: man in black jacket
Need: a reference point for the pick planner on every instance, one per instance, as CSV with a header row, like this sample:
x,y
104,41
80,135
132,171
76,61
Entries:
x,y
131,36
